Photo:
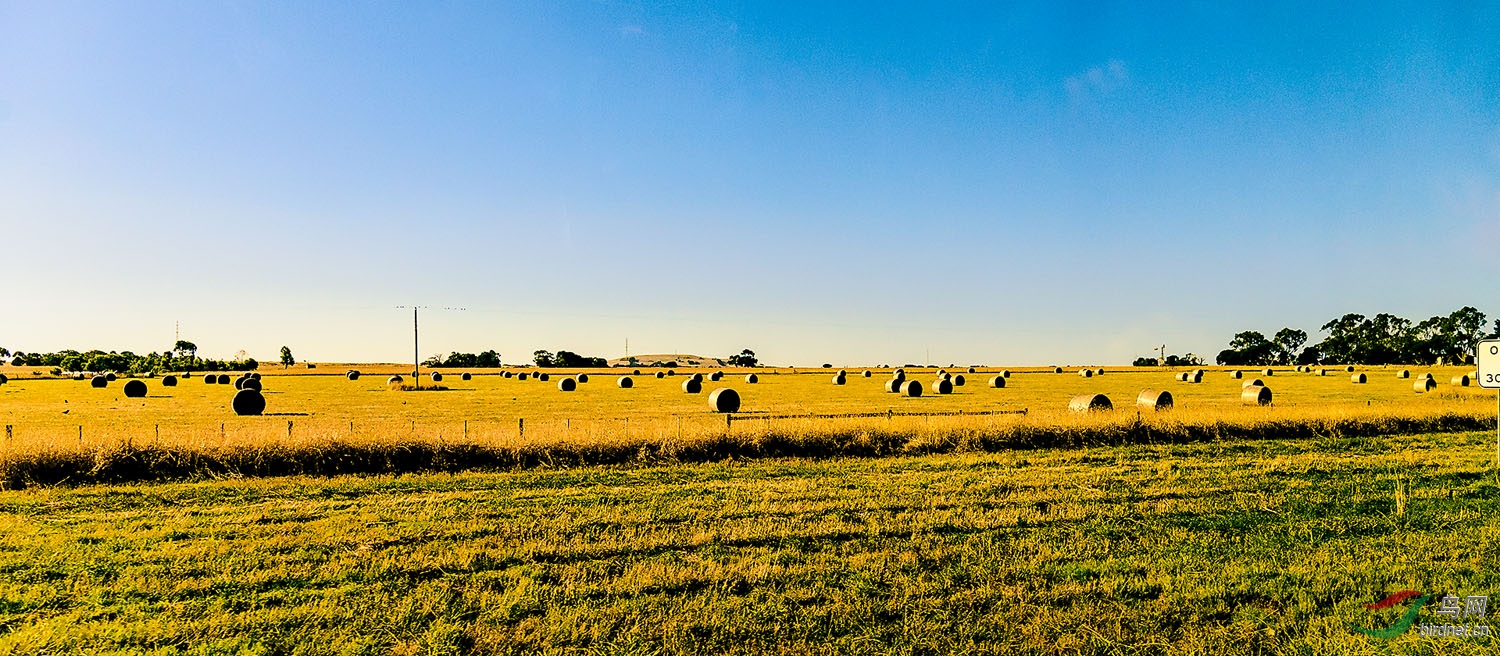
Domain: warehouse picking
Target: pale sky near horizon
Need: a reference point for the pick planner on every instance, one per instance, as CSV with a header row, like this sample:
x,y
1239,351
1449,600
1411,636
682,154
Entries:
x,y
831,182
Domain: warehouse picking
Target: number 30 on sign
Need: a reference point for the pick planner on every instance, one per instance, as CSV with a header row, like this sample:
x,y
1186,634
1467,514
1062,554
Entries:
x,y
1489,363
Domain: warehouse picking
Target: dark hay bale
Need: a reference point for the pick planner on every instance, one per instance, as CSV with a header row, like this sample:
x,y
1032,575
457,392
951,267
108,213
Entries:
x,y
1357,379
1256,395
239,383
958,381
1428,376
997,381
692,386
256,375
351,374
1236,374
111,377
436,377
671,372
166,381
1090,403
1057,370
971,370
544,377
1086,373
1150,399
1269,372
1322,372
1403,374
249,402
635,372
899,372
625,382
660,375
1422,385
1005,373
724,400
251,384
223,379
566,384
838,379
1252,383
521,376
911,388
893,385
466,376
210,380
942,386
583,378
1461,380
1195,377
697,378
1182,376
99,381
945,375
508,374
899,376
1349,368
397,380
865,373
716,376
1099,371
752,378
135,389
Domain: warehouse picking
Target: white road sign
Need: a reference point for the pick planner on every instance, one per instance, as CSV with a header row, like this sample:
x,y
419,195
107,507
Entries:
x,y
1488,357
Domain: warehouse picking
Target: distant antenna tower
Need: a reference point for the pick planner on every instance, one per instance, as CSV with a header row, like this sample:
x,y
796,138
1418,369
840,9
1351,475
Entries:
x,y
627,348
176,332
1163,361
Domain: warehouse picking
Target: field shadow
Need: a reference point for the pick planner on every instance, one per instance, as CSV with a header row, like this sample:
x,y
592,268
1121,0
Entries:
x,y
284,414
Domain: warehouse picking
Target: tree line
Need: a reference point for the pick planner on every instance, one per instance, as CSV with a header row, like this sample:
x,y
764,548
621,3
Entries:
x,y
1357,339
183,356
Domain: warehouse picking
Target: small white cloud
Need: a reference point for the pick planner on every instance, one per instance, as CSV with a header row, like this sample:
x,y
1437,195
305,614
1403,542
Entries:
x,y
1097,82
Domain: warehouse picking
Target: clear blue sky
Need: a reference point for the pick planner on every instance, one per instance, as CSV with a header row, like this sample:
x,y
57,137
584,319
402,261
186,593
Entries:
x,y
845,183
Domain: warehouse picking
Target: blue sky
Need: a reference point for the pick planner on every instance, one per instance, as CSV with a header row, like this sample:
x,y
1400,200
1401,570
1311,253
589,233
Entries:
x,y
1019,184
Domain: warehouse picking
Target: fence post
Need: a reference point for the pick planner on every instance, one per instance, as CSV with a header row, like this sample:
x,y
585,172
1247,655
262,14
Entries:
x,y
7,432
466,429
728,421
289,428
520,426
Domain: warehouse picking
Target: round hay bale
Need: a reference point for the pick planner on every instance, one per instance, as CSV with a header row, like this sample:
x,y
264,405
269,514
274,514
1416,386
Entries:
x,y
942,372
239,383
865,373
958,381
166,381
635,372
1195,377
1150,399
248,402
625,382
1099,371
697,378
719,375
111,377
1182,376
1255,395
660,375
508,374
1357,379
1423,385
692,386
899,372
899,376
223,379
893,385
671,372
1269,372
945,376
971,370
1236,374
911,388
843,372
1086,373
1349,368
1403,374
1252,383
838,379
436,377
583,378
566,384
1005,373
1057,370
135,389
99,381
544,377
1461,380
251,384
1090,403
395,380
724,400
256,374
466,376
1427,376
521,376
352,374
210,380
752,378
942,386
1322,372
997,381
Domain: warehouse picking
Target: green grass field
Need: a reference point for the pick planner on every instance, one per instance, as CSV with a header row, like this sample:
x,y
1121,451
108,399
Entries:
x,y
1241,547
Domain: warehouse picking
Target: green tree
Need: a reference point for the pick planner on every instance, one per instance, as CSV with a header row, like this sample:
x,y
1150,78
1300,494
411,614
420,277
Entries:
x,y
746,358
542,358
286,358
1289,343
184,347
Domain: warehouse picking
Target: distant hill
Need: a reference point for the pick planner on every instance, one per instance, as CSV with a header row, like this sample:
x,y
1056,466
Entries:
x,y
682,360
